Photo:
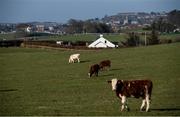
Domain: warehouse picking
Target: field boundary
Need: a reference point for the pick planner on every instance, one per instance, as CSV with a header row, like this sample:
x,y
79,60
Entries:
x,y
63,48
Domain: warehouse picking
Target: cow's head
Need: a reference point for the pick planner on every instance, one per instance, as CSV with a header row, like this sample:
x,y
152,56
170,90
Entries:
x,y
116,84
113,83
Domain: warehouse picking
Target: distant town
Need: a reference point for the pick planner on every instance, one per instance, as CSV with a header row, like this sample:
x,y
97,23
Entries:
x,y
117,23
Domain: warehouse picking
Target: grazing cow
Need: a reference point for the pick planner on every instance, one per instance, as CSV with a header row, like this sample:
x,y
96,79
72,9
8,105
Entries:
x,y
105,63
74,57
94,69
134,88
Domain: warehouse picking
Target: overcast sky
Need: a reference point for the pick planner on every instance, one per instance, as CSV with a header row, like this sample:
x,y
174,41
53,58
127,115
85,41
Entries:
x,y
15,11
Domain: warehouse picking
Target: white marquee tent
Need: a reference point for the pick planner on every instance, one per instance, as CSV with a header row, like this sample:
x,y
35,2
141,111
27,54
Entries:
x,y
102,43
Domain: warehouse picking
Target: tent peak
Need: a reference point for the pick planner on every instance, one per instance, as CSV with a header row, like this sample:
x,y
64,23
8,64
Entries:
x,y
101,35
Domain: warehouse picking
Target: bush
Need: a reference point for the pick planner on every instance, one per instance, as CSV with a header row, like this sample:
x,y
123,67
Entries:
x,y
153,39
133,40
164,41
177,39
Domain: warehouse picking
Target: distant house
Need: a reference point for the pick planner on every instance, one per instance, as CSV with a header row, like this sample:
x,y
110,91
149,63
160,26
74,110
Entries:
x,y
28,29
23,27
40,28
102,43
176,30
59,42
126,21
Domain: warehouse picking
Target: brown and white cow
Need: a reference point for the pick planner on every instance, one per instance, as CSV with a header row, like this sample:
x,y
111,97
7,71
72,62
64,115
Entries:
x,y
94,69
133,88
105,63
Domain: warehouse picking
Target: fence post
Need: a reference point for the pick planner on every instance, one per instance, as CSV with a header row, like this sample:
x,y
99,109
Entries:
x,y
145,40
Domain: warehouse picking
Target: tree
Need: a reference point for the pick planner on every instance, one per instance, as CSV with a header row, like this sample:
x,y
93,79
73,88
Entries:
x,y
74,26
153,39
89,26
133,39
174,17
164,26
102,28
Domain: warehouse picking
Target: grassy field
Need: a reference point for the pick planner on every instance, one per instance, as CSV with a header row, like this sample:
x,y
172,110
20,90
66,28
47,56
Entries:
x,y
85,37
7,36
75,37
41,82
170,36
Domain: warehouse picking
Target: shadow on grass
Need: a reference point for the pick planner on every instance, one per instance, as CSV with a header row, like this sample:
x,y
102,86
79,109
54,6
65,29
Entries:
x,y
8,90
166,109
107,75
109,69
116,69
85,61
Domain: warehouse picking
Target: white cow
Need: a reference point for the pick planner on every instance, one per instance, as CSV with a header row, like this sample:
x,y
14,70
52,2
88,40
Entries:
x,y
74,57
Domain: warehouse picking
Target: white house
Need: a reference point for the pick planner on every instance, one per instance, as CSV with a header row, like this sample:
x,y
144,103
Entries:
x,y
28,29
102,43
59,42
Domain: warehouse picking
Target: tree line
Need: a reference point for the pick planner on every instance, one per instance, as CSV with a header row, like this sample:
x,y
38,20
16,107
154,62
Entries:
x,y
133,39
166,25
79,26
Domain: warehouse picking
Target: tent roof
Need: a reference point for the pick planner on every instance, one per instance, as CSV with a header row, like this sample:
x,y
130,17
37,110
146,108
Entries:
x,y
101,43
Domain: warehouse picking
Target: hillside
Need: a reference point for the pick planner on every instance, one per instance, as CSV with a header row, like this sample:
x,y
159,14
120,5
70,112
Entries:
x,y
41,82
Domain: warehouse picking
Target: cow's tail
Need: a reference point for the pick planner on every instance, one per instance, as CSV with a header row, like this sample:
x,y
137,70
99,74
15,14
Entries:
x,y
150,89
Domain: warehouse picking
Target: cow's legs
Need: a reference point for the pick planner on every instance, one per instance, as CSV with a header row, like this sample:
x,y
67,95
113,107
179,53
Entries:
x,y
143,104
69,60
147,103
96,73
89,74
124,104
78,60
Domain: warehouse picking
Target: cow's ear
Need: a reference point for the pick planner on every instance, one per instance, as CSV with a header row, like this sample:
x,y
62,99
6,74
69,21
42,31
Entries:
x,y
119,81
109,81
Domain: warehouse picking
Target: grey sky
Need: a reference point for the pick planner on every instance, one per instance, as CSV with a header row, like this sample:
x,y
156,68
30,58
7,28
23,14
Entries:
x,y
63,10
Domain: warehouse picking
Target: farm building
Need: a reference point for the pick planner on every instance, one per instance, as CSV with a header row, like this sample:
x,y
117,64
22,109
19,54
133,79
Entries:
x,y
102,43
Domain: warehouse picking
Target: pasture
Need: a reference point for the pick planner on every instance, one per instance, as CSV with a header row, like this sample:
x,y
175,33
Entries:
x,y
42,82
92,37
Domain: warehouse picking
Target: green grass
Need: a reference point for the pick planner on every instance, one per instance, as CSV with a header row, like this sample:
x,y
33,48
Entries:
x,y
170,36
75,37
7,36
41,82
85,37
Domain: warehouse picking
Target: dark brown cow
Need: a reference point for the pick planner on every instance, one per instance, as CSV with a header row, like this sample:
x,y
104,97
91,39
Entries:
x,y
94,69
134,88
105,63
